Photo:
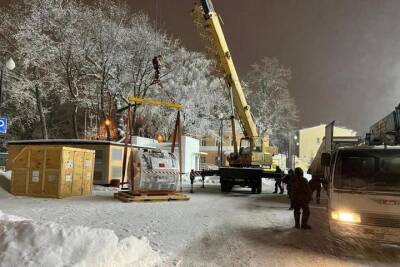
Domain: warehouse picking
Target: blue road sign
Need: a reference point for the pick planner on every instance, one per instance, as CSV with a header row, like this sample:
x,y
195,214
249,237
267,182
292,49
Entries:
x,y
3,125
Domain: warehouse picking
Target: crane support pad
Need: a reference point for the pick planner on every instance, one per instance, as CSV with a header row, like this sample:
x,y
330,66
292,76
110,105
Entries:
x,y
126,197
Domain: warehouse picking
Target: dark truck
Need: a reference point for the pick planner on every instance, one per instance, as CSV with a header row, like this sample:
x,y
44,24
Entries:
x,y
245,177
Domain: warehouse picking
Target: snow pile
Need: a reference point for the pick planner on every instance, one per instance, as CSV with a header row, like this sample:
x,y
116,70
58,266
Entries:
x,y
11,218
28,243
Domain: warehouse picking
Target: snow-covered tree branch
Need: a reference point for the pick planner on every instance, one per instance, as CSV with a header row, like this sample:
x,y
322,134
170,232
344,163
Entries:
x,y
267,89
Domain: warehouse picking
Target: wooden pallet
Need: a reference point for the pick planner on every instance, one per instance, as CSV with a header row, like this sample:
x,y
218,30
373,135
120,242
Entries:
x,y
126,197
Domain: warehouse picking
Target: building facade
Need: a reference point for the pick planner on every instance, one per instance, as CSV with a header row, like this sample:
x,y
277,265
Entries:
x,y
209,148
310,139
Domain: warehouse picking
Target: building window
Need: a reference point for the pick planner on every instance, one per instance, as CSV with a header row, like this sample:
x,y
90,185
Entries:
x,y
204,141
203,159
318,140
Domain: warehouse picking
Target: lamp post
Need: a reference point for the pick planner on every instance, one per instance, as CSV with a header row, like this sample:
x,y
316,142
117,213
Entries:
x,y
292,146
295,145
107,123
10,65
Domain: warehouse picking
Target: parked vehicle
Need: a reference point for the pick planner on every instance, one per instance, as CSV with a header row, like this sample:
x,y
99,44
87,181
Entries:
x,y
363,181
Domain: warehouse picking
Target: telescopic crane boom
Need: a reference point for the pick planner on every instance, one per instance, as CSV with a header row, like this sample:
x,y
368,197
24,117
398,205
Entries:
x,y
253,151
227,67
253,161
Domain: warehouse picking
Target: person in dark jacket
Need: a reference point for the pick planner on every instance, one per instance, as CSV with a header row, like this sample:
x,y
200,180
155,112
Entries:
x,y
156,66
315,185
278,181
191,176
288,179
301,197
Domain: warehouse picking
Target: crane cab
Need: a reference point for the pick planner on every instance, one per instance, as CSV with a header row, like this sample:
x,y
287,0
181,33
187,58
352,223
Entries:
x,y
253,152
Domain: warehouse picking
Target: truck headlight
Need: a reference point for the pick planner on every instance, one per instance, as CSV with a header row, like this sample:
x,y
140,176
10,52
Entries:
x,y
346,216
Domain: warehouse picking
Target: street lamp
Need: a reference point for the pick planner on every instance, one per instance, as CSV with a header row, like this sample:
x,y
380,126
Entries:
x,y
292,147
297,144
10,65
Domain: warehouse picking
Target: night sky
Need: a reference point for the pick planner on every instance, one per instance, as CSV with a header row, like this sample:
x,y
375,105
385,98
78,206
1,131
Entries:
x,y
344,54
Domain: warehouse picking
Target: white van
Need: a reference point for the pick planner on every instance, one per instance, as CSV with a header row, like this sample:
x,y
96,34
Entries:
x,y
364,192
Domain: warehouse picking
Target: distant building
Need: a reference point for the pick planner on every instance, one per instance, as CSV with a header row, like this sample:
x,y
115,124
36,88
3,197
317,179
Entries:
x,y
190,153
309,140
209,148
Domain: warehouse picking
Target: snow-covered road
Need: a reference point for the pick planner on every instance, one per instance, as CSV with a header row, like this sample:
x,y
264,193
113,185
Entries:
x,y
212,229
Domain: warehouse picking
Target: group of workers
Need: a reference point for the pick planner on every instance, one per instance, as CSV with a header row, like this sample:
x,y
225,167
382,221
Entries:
x,y
300,192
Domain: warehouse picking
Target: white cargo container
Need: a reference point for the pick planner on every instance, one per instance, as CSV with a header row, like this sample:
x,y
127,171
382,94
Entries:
x,y
190,153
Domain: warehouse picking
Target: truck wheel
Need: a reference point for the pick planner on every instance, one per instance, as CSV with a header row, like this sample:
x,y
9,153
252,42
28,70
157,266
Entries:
x,y
229,187
259,188
226,187
223,187
253,189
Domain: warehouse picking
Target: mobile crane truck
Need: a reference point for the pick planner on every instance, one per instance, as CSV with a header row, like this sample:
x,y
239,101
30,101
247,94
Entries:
x,y
253,160
363,181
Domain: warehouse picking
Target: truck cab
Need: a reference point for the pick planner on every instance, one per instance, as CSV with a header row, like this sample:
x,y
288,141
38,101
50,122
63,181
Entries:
x,y
364,192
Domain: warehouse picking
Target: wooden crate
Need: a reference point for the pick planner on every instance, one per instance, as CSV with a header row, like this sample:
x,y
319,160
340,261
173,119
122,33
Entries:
x,y
109,155
52,171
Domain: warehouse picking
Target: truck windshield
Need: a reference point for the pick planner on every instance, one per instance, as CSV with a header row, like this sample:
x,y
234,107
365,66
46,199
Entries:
x,y
370,170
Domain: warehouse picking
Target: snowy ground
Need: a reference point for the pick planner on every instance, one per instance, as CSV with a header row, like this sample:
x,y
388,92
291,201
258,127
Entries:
x,y
212,229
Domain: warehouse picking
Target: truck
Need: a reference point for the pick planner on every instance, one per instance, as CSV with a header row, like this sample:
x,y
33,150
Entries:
x,y
252,159
363,178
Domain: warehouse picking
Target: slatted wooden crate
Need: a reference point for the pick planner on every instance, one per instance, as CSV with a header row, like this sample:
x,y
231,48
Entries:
x,y
52,171
109,155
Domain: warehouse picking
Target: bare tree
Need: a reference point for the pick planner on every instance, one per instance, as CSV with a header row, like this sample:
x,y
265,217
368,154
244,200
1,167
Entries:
x,y
267,89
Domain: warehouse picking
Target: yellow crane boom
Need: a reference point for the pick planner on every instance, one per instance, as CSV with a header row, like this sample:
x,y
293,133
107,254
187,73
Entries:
x,y
206,18
154,102
253,160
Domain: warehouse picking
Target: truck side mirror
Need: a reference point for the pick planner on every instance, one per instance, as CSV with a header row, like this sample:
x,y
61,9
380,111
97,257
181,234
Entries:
x,y
325,159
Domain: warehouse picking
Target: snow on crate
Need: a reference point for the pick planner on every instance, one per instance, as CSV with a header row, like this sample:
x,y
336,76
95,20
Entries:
x,y
28,243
